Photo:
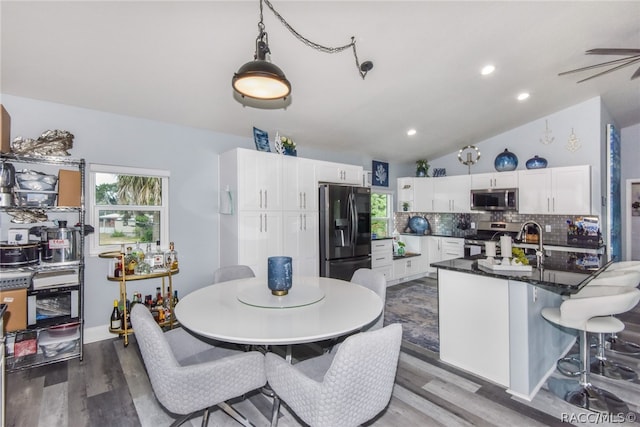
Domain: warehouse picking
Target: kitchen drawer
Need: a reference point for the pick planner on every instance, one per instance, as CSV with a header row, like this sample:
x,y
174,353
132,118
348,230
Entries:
x,y
381,258
382,246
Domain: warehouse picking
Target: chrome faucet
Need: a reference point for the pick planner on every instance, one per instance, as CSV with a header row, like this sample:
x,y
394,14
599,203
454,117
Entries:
x,y
540,251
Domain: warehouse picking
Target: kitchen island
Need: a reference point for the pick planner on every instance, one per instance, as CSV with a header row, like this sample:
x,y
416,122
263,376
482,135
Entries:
x,y
490,322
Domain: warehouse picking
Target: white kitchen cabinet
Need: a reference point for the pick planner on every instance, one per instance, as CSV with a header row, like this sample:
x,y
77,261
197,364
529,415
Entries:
x,y
443,248
484,181
338,173
382,257
299,185
452,194
301,241
423,194
407,267
563,191
405,190
258,179
260,236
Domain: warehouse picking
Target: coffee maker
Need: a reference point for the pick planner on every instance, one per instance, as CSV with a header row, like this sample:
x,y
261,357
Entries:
x,y
7,182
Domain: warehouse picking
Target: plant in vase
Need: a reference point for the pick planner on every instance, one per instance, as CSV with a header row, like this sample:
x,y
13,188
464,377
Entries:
x,y
422,167
405,206
401,250
289,146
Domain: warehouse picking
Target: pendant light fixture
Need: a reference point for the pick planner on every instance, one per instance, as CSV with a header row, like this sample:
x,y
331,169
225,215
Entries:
x,y
261,79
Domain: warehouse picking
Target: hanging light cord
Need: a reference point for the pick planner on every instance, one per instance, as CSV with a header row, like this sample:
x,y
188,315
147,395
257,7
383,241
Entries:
x,y
362,68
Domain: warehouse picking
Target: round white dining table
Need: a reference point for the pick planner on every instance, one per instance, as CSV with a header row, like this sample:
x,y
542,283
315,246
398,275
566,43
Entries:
x,y
243,311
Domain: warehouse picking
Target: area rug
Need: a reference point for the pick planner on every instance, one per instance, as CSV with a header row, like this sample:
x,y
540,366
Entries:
x,y
415,305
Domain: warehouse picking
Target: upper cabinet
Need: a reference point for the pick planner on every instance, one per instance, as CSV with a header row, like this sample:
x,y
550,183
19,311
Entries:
x,y
338,173
562,191
300,188
443,194
423,195
451,194
484,181
258,179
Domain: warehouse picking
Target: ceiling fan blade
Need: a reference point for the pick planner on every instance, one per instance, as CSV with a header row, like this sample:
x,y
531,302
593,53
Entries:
x,y
632,61
613,51
602,64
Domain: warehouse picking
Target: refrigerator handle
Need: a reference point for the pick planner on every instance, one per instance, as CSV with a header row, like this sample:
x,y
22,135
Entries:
x,y
354,218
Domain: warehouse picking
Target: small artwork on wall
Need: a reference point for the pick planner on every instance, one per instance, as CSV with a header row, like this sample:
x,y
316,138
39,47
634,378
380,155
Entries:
x,y
261,138
380,175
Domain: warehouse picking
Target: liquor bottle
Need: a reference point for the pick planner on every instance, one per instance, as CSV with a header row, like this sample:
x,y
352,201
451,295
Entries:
x,y
130,261
158,258
171,258
116,320
143,266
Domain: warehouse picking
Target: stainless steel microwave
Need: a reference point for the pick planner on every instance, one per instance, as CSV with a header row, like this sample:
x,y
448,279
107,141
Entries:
x,y
505,199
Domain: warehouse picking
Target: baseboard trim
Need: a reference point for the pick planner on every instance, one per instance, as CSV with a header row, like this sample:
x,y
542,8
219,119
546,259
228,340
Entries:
x,y
97,333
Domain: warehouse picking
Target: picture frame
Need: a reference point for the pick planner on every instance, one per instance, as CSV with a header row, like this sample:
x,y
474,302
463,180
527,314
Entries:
x,y
380,173
261,139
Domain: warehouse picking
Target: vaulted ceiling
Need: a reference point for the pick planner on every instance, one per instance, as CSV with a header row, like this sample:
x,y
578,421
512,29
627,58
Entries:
x,y
173,62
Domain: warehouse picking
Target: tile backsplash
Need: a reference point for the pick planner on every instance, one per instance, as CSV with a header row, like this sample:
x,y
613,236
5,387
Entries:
x,y
451,224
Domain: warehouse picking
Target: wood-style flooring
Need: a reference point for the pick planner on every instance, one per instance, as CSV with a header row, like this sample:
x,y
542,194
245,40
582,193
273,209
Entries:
x,y
110,388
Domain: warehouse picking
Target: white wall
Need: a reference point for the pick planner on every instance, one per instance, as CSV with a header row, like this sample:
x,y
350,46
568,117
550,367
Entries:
x,y
191,156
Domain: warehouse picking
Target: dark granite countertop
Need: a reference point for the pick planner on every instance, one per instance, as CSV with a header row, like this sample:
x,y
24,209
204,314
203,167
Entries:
x,y
563,273
406,255
381,238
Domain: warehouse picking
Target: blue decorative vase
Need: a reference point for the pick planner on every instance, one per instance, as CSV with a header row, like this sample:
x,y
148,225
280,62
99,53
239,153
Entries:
x,y
279,274
290,152
536,163
506,161
418,224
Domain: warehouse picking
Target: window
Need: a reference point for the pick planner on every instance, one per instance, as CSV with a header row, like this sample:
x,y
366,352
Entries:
x,y
381,213
127,205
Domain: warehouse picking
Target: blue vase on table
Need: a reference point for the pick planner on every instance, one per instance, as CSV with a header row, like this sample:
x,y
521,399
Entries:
x,y
279,274
506,161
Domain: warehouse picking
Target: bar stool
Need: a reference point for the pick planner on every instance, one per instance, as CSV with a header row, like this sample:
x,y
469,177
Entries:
x,y
623,268
600,365
591,310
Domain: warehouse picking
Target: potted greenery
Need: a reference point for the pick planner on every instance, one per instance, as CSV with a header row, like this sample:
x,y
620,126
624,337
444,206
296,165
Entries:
x,y
405,206
422,167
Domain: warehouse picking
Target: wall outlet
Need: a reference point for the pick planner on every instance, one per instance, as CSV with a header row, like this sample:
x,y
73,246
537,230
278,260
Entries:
x,y
547,228
473,225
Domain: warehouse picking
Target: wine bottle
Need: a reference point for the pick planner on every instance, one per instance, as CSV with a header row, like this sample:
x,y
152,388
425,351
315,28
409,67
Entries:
x,y
116,319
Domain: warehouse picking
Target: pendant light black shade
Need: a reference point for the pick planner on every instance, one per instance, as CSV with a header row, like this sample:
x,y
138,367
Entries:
x,y
260,79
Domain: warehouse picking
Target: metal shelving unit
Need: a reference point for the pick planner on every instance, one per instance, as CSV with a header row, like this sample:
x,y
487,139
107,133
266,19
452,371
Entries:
x,y
74,349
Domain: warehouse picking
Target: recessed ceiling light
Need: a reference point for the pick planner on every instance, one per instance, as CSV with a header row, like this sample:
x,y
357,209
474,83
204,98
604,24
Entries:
x,y
523,96
487,69
411,132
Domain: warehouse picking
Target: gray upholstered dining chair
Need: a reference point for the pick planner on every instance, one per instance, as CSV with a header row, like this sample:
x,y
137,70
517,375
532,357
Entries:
x,y
232,272
347,388
189,375
375,281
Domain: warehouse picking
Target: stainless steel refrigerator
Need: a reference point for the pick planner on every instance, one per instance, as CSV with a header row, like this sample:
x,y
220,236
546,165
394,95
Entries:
x,y
345,230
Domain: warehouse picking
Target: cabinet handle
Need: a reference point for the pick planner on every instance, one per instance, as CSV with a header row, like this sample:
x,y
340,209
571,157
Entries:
x,y
300,224
304,197
300,200
548,207
260,206
261,223
305,222
265,201
553,203
265,223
